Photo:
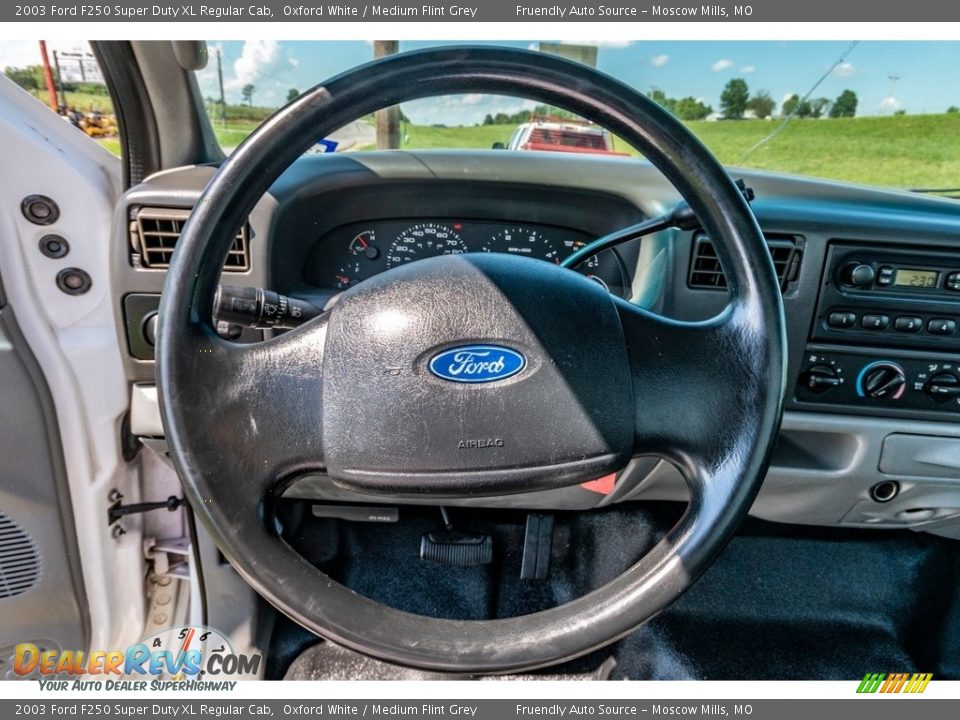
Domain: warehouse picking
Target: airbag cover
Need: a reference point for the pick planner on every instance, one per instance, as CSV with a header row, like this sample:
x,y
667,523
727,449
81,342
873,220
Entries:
x,y
475,374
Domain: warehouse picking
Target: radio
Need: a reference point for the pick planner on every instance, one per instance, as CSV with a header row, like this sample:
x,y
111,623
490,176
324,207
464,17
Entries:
x,y
875,274
884,339
896,296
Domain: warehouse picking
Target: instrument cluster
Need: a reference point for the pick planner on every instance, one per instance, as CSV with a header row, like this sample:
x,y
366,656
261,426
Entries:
x,y
352,253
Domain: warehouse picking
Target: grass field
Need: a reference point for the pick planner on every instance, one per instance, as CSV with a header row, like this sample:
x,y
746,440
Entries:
x,y
898,151
83,102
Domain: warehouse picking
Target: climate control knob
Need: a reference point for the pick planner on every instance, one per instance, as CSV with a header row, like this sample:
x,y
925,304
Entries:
x,y
942,387
882,380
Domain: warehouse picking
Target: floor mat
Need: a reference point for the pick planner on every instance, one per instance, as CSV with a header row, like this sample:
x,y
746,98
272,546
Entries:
x,y
781,602
824,605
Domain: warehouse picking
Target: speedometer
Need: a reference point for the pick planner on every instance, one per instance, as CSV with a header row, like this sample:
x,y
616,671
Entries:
x,y
424,240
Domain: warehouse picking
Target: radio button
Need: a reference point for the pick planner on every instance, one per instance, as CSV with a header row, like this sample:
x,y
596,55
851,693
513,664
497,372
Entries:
x,y
908,324
953,281
941,326
841,319
858,275
885,276
874,322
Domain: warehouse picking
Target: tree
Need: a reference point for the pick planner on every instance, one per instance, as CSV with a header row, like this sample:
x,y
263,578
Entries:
x,y
661,99
689,108
789,106
247,93
845,105
762,104
29,78
819,106
793,105
292,94
952,109
734,98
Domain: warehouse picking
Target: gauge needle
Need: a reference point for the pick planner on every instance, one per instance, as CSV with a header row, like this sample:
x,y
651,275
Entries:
x,y
363,243
184,646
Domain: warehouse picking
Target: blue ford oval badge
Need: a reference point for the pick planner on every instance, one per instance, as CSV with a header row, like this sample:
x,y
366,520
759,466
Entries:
x,y
477,363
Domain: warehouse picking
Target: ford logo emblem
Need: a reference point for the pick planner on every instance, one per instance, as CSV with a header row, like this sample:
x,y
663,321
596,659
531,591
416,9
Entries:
x,y
477,363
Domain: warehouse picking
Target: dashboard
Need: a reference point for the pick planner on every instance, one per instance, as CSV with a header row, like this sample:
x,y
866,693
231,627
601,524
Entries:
x,y
870,281
352,253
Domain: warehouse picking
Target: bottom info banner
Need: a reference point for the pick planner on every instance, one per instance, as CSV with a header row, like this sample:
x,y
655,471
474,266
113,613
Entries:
x,y
499,709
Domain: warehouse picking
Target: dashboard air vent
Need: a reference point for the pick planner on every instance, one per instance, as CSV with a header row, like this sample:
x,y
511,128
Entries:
x,y
705,271
154,233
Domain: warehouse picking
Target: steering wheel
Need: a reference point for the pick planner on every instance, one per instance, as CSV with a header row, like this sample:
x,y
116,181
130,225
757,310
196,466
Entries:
x,y
577,381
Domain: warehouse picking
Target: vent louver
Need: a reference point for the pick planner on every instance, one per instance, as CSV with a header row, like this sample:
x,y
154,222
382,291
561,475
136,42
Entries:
x,y
19,559
705,271
154,233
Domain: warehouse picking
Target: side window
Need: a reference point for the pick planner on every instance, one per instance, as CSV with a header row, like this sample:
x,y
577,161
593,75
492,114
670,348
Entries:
x,y
67,79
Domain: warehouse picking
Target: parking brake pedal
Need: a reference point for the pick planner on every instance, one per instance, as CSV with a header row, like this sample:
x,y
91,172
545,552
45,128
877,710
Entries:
x,y
456,548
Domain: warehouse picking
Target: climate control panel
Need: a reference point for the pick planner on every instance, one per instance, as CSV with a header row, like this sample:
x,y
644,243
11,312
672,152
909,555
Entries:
x,y
858,380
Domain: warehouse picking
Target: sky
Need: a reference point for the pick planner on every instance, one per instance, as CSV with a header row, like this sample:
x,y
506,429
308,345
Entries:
x,y
915,76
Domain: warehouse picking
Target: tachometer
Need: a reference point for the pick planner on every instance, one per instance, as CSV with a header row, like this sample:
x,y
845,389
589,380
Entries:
x,y
422,241
530,242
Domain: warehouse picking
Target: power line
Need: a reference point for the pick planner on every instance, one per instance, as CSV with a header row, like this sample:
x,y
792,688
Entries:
x,y
756,146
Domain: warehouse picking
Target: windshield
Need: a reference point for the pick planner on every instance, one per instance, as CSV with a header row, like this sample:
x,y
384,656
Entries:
x,y
867,112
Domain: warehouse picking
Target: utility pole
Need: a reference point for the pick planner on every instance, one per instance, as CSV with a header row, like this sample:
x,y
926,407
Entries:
x,y
893,77
63,93
388,119
223,101
48,77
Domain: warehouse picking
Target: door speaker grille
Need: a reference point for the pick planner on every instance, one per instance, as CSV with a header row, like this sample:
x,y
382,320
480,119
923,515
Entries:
x,y
19,559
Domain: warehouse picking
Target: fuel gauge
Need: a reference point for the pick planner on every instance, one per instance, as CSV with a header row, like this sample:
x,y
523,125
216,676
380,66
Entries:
x,y
349,274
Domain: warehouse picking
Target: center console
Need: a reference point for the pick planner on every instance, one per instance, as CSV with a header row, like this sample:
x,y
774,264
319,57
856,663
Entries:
x,y
884,338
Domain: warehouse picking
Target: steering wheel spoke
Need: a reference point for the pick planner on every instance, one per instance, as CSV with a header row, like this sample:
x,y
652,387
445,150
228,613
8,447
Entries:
x,y
261,405
694,385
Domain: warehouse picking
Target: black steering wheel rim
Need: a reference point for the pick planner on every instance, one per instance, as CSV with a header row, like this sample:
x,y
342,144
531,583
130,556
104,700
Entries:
x,y
200,374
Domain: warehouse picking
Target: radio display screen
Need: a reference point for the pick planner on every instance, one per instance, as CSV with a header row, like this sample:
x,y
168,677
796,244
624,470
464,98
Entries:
x,y
906,277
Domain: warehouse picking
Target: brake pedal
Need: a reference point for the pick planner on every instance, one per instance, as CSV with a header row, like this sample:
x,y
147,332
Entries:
x,y
456,548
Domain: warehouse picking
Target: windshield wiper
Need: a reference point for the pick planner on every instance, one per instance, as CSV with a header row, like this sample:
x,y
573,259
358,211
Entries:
x,y
937,191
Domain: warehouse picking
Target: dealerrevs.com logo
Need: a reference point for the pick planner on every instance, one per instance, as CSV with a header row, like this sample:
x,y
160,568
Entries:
x,y
186,658
888,683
